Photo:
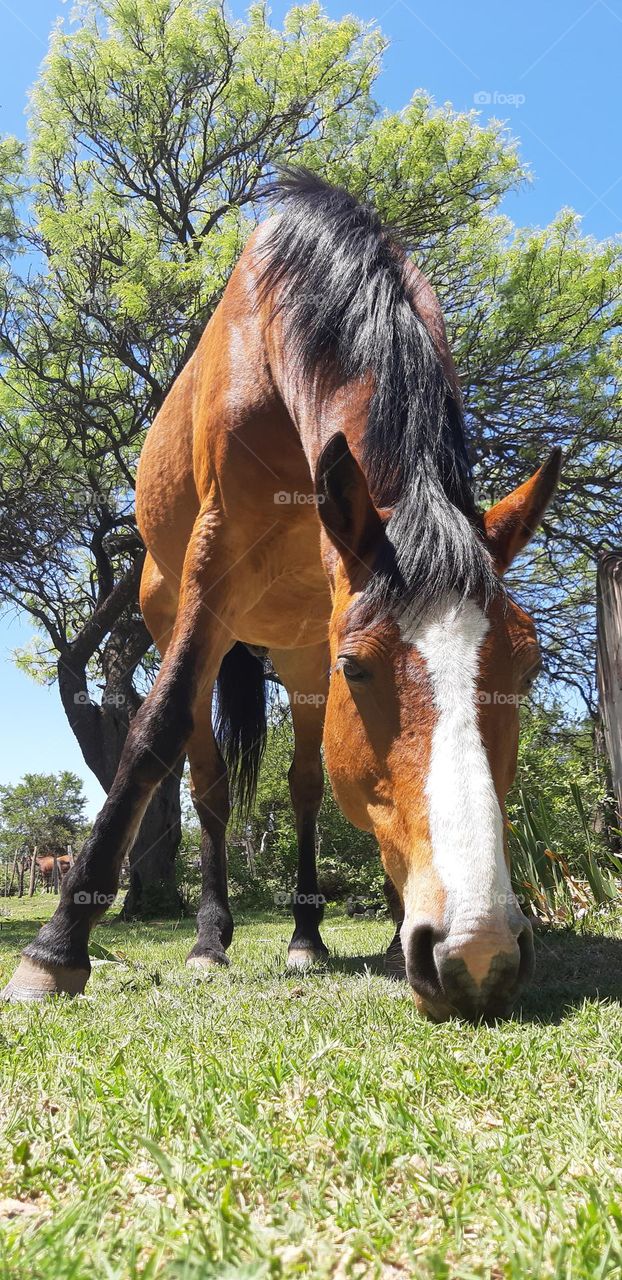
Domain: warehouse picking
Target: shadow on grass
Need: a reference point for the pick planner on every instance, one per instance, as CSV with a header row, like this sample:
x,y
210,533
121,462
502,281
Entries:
x,y
17,932
570,968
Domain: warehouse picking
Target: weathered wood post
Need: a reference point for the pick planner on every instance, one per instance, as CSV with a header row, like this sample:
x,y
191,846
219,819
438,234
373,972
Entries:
x,y
33,872
55,872
609,662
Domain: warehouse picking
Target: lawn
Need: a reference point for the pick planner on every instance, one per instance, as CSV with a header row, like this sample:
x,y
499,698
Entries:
x,y
259,1123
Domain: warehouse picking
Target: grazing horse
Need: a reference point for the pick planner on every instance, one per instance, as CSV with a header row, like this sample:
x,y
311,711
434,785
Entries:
x,y
306,490
45,867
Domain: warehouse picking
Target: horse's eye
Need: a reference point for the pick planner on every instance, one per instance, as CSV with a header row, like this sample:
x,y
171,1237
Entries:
x,y
352,670
532,675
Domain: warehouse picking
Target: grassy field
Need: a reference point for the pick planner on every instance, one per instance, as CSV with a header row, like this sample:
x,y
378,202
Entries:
x,y
262,1124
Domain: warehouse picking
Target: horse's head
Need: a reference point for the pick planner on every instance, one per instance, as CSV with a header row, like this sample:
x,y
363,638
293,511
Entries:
x,y
421,741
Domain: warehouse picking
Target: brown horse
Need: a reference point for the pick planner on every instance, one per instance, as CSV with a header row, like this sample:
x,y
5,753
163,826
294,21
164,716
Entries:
x,y
327,358
45,867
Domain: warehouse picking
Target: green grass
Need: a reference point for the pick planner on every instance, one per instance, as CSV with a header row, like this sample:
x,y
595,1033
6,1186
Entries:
x,y
262,1124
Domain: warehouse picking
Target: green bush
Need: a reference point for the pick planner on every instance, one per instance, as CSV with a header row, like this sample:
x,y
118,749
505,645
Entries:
x,y
562,857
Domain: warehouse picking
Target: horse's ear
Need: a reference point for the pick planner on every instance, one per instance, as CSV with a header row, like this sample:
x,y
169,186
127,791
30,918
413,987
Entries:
x,y
344,503
511,523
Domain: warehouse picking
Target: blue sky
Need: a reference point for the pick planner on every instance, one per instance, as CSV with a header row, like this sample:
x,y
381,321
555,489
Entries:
x,y
552,70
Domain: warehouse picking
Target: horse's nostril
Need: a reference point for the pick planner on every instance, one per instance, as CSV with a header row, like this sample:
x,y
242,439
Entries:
x,y
421,965
476,975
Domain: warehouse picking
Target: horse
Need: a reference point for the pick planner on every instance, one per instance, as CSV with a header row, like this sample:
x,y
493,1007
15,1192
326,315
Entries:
x,y
45,867
306,490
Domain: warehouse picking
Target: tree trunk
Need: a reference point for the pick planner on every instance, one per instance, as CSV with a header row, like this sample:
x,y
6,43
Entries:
x,y
609,665
13,874
153,887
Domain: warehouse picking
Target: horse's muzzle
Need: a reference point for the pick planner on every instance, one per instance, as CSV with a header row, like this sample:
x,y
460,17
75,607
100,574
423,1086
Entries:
x,y
475,975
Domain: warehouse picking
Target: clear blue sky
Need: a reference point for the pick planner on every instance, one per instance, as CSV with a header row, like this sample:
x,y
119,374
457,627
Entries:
x,y
552,70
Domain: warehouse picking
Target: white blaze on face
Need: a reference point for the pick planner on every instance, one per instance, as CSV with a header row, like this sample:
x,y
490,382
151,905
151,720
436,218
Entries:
x,y
466,825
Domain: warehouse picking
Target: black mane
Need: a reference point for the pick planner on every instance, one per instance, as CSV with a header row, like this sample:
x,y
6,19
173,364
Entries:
x,y
338,276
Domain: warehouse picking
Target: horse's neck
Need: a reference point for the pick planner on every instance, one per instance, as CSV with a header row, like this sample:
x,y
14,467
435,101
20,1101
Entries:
x,y
321,411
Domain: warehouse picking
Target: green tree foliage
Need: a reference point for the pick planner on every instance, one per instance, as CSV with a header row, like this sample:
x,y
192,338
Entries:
x,y
45,811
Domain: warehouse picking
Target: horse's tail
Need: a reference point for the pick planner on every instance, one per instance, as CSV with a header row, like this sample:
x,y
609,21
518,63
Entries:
x,y
241,721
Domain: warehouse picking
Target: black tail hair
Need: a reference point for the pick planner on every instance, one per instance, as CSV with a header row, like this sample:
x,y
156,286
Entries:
x,y
241,722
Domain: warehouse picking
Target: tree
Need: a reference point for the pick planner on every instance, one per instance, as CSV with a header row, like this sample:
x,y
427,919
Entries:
x,y
43,812
154,125
609,613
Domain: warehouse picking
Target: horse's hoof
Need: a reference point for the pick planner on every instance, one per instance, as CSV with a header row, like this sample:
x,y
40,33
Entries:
x,y
32,981
305,957
211,960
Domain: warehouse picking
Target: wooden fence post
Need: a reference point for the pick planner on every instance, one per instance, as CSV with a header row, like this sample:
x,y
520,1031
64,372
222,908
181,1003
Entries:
x,y
33,872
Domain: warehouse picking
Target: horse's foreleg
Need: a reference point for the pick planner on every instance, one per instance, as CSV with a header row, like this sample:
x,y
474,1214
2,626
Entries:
x,y
394,961
209,786
57,960
304,673
210,795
